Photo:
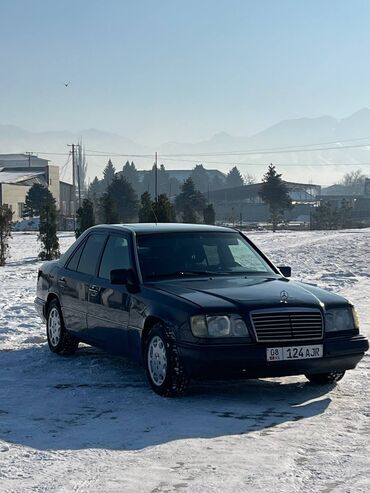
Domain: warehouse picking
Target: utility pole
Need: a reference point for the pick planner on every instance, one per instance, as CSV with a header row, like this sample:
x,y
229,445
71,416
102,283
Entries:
x,y
78,176
156,177
29,158
73,184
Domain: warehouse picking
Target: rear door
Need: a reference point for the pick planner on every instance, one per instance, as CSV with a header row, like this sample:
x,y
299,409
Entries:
x,y
109,305
74,281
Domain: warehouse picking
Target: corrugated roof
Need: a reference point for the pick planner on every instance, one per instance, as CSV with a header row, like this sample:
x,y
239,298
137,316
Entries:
x,y
13,177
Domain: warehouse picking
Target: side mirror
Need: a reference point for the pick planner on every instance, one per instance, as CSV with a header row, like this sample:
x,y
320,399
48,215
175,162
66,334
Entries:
x,y
285,270
124,277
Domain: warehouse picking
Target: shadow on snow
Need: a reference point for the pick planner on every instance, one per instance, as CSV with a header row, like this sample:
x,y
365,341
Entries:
x,y
94,400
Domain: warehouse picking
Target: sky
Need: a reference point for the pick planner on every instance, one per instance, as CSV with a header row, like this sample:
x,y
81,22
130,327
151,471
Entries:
x,y
158,71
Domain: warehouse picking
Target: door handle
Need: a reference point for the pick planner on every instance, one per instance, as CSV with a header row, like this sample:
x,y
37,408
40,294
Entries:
x,y
94,290
62,282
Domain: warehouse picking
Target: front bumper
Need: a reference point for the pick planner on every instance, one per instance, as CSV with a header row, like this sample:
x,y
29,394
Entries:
x,y
249,360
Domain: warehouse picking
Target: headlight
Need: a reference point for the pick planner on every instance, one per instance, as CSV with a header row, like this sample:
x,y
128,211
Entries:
x,y
218,326
338,319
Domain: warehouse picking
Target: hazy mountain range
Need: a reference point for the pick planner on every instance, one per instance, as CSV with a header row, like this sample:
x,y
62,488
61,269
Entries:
x,y
325,130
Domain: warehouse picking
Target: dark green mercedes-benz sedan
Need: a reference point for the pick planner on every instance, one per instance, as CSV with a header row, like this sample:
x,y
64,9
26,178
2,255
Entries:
x,y
194,302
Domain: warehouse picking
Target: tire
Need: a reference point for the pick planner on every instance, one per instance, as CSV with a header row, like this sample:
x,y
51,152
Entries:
x,y
59,339
325,378
164,370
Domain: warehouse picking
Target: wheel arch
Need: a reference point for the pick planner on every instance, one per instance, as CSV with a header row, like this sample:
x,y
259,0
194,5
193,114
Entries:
x,y
49,299
150,322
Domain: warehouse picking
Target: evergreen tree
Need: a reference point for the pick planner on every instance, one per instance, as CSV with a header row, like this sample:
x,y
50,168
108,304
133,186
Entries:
x,y
209,214
36,197
148,183
163,181
108,174
275,194
6,216
124,198
146,214
108,209
173,187
85,217
234,178
48,230
326,216
189,215
190,202
130,174
164,210
200,178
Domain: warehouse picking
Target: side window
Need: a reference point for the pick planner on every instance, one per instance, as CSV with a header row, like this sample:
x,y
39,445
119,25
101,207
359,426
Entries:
x,y
91,254
116,256
246,257
73,261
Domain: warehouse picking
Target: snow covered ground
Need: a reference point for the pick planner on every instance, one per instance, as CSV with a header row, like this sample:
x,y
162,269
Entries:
x,y
90,422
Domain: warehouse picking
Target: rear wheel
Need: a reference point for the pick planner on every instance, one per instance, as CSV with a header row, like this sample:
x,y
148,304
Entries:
x,y
59,339
163,367
325,378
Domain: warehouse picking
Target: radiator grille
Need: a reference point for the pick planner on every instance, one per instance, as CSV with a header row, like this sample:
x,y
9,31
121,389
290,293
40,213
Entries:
x,y
287,325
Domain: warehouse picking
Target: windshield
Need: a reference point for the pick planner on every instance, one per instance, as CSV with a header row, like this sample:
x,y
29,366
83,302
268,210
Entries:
x,y
191,254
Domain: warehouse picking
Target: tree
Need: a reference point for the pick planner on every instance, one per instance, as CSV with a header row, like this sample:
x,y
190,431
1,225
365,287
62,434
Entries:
x,y
81,168
190,202
146,214
200,178
354,181
85,217
325,216
163,179
124,198
209,214
130,174
164,210
249,179
108,174
6,216
36,197
48,230
234,178
189,215
275,194
108,209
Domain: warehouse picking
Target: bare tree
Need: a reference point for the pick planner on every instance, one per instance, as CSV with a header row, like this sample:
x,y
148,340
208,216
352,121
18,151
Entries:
x,y
249,179
354,181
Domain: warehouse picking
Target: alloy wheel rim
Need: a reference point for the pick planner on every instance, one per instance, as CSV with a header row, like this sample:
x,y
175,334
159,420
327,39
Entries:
x,y
54,327
157,360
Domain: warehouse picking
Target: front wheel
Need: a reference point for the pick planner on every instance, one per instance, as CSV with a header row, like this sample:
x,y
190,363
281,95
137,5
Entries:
x,y
325,378
59,339
163,367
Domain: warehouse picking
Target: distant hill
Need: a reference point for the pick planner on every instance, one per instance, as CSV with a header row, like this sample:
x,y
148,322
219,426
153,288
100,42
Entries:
x,y
287,133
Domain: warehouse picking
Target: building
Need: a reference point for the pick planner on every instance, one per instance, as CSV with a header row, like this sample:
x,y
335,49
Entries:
x,y
18,172
244,204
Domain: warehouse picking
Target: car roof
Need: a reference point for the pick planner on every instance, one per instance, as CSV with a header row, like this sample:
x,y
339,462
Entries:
x,y
149,228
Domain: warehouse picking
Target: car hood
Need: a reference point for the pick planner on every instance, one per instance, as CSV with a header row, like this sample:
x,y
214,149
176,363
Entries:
x,y
249,292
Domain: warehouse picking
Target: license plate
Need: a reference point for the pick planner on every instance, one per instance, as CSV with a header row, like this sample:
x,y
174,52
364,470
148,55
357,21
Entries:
x,y
294,352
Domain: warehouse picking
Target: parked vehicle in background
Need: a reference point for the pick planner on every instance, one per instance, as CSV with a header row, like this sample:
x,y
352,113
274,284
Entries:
x,y
194,302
